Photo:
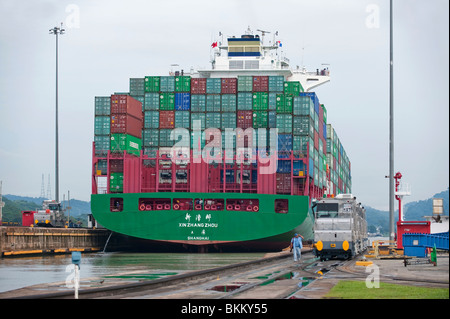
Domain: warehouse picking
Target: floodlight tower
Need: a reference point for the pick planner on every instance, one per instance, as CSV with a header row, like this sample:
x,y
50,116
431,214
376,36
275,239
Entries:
x,y
56,31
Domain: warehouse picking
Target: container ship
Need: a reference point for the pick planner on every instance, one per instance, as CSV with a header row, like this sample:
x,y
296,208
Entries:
x,y
230,157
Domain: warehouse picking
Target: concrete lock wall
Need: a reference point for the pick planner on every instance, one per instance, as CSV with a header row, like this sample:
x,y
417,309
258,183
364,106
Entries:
x,y
23,240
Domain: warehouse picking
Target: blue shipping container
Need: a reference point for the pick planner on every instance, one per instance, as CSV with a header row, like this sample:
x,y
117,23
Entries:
x,y
182,101
284,145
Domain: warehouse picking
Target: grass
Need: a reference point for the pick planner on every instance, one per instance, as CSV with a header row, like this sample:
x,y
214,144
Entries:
x,y
358,290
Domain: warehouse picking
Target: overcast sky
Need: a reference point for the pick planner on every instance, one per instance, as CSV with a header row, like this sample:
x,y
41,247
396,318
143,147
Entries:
x,y
107,42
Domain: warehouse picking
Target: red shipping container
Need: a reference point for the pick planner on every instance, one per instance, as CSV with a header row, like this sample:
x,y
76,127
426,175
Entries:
x,y
260,84
244,119
316,140
126,124
198,86
167,119
283,183
125,104
229,85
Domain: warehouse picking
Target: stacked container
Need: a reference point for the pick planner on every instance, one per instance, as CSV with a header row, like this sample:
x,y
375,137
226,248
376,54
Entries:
x,y
157,104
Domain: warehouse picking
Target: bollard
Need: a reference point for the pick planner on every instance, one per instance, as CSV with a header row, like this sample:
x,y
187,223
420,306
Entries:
x,y
76,260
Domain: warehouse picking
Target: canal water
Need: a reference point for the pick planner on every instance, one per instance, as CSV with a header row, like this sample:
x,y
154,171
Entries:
x,y
26,271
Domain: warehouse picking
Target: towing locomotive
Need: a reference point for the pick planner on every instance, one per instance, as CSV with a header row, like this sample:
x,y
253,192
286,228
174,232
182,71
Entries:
x,y
340,230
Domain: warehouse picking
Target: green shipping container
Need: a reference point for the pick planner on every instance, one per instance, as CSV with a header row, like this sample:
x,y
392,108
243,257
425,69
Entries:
x,y
102,105
293,87
198,103
151,102
116,182
126,142
213,103
260,101
151,83
102,125
260,119
303,125
304,106
182,119
151,119
164,138
324,113
182,84
300,143
167,84
150,138
167,101
244,101
228,103
284,103
272,103
284,123
245,83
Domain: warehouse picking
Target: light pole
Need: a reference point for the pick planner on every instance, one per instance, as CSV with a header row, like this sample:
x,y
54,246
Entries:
x,y
56,31
391,131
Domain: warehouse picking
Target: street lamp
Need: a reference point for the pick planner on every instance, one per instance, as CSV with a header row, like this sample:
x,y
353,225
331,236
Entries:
x,y
56,31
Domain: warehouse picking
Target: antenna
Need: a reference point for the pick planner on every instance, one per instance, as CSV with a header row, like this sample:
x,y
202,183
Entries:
x,y
263,33
49,189
42,187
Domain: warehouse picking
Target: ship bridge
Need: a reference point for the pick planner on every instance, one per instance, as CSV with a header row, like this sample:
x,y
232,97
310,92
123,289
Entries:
x,y
248,55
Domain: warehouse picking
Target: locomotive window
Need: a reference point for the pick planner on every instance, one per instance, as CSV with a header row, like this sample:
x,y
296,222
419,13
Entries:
x,y
327,210
116,204
281,206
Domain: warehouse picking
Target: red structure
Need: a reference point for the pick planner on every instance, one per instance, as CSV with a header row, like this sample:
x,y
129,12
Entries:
x,y
28,218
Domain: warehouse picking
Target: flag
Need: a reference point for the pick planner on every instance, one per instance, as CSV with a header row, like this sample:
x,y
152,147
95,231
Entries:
x,y
214,45
279,44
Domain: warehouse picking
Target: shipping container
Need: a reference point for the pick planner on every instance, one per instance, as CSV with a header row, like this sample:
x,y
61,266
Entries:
x,y
198,117
245,83
151,101
182,84
284,145
260,101
182,119
260,119
229,86
125,104
102,105
304,106
198,86
183,101
126,142
126,124
102,144
260,84
152,84
314,98
244,119
244,101
198,102
272,119
213,86
167,119
213,103
137,86
116,182
213,120
151,119
150,138
303,125
284,103
293,87
228,103
228,120
284,123
167,84
276,83
167,101
283,183
102,125
164,138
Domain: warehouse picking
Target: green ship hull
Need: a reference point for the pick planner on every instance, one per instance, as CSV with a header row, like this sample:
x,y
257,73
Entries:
x,y
227,224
